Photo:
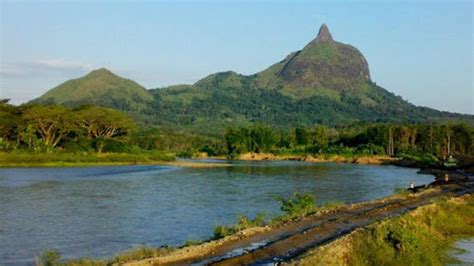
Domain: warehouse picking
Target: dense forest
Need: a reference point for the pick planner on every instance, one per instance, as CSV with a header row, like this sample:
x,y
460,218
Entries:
x,y
55,129
439,140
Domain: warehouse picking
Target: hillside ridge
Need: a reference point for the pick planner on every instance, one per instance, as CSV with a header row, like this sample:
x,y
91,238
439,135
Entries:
x,y
326,82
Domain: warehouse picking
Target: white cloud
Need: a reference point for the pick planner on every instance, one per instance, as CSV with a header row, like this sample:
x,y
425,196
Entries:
x,y
43,67
61,65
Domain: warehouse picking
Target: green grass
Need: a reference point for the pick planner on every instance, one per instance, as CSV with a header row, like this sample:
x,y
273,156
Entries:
x,y
421,160
412,240
60,159
424,237
53,258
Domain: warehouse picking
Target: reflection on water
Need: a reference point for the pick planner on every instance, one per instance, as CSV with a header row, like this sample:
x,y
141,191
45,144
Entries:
x,y
99,211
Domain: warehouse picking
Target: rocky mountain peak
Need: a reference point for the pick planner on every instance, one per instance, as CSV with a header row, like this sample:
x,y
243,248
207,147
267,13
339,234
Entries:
x,y
324,35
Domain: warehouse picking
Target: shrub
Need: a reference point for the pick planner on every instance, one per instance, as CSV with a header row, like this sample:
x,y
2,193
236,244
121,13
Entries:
x,y
50,258
112,145
185,153
222,231
243,222
297,205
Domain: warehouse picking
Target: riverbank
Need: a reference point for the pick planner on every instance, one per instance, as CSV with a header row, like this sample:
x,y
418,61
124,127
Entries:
x,y
69,160
58,159
65,159
357,159
80,159
293,240
294,237
20,159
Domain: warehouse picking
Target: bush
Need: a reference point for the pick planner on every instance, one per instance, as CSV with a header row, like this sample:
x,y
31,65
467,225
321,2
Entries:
x,y
50,258
115,146
79,145
222,231
297,205
185,154
243,222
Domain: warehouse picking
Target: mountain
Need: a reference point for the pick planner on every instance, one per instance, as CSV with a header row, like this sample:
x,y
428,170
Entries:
x,y
323,65
327,82
100,87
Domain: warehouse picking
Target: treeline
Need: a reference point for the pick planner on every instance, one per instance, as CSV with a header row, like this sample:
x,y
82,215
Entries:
x,y
48,128
55,128
378,139
44,128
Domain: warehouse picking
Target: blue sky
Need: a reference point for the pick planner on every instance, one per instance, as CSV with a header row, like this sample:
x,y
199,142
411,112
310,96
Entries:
x,y
422,51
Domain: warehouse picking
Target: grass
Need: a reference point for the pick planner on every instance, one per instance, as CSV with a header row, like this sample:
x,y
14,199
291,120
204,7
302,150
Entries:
x,y
60,159
53,258
423,237
422,160
243,222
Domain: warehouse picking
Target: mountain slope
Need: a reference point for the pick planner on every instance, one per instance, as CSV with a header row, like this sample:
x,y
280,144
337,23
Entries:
x,y
323,65
327,82
100,87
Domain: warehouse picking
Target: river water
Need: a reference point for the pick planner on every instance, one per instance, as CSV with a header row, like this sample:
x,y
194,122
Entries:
x,y
100,211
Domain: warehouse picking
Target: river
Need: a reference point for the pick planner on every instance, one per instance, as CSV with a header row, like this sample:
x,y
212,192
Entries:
x,y
100,211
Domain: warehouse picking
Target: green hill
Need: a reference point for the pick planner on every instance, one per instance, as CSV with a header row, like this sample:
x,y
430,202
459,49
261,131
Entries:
x,y
327,82
100,87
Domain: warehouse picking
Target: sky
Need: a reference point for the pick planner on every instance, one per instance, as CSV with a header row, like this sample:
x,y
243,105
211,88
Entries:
x,y
420,50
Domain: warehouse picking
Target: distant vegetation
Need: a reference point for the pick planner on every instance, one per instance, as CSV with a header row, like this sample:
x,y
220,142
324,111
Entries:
x,y
90,134
62,136
100,87
426,143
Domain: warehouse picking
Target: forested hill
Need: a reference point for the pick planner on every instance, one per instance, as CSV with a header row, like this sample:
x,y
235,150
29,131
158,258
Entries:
x,y
100,87
327,82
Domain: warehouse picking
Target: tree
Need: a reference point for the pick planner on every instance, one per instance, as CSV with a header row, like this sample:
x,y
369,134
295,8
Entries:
x,y
462,139
446,133
51,123
301,136
320,136
10,122
100,124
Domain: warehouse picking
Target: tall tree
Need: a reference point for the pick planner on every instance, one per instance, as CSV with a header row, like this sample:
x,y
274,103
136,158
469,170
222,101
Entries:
x,y
101,124
51,123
